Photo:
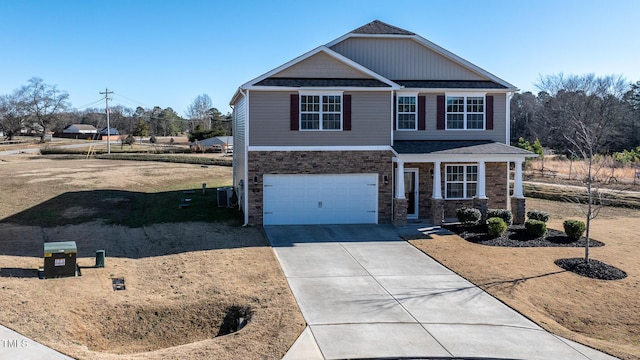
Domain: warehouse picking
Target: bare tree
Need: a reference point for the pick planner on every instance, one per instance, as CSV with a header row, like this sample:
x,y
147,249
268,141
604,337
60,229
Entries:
x,y
586,107
13,114
44,104
199,111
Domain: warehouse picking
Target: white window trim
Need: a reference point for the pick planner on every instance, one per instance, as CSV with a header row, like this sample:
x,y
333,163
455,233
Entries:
x,y
464,181
321,93
398,95
466,95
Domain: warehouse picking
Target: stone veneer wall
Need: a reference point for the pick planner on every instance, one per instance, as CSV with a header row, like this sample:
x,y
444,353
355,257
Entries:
x,y
496,188
319,162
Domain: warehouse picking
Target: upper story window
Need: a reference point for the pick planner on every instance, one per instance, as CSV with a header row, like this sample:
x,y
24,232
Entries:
x,y
406,113
461,181
321,112
465,112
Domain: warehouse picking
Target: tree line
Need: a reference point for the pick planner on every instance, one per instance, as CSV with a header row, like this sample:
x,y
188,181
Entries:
x,y
40,108
607,106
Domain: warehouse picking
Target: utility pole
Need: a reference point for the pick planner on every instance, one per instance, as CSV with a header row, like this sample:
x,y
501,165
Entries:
x,y
106,100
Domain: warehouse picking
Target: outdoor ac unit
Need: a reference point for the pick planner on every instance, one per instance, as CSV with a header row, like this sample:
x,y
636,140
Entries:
x,y
224,196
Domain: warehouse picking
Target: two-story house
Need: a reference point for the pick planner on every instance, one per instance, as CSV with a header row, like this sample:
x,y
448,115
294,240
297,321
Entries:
x,y
377,126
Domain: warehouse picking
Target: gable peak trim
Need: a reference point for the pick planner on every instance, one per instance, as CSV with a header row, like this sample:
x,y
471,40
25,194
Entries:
x,y
379,27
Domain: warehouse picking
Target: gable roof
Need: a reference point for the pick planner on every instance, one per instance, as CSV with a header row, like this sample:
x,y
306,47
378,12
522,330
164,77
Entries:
x,y
379,27
82,127
333,54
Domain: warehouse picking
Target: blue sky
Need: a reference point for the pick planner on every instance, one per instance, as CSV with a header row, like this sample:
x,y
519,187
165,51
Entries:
x,y
165,53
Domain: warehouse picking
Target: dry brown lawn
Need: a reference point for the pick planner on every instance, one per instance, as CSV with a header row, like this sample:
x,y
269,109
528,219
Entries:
x,y
605,173
181,278
601,314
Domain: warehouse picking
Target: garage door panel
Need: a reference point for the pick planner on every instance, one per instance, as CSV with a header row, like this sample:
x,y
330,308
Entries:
x,y
320,199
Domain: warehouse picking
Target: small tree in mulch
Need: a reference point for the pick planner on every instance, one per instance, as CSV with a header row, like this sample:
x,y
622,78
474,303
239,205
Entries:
x,y
587,107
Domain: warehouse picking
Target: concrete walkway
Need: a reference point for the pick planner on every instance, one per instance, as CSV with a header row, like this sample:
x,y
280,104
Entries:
x,y
15,346
366,293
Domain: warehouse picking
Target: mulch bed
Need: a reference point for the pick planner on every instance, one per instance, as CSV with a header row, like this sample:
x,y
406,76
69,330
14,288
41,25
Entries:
x,y
516,236
594,269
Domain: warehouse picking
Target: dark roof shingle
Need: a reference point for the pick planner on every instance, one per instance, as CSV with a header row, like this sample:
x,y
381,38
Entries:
x,y
379,27
315,82
450,84
459,147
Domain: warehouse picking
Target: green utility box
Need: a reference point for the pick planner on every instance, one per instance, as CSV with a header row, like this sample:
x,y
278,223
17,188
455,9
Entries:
x,y
60,259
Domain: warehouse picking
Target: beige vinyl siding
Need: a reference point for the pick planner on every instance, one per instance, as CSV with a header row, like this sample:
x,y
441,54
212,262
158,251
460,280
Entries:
x,y
321,65
431,133
270,125
403,59
239,160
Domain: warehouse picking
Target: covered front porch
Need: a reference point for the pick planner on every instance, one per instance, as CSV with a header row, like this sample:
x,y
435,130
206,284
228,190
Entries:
x,y
434,178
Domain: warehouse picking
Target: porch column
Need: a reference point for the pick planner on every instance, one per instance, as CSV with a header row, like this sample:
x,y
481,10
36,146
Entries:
x,y
400,180
480,201
518,205
517,186
437,202
437,182
482,183
400,202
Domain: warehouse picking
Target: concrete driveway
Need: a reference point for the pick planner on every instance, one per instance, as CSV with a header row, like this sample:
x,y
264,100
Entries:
x,y
366,293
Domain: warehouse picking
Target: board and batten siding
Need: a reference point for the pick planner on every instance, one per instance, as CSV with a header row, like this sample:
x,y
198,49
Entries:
x,y
321,65
403,59
239,160
498,133
270,122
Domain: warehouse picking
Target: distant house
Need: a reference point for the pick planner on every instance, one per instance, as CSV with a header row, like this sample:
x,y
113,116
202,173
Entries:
x,y
80,129
217,143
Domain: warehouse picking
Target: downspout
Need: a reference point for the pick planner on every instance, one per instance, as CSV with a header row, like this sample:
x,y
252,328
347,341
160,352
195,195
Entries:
x,y
508,116
246,159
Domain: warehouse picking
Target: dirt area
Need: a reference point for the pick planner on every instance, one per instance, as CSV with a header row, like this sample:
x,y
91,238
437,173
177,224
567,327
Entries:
x,y
602,314
182,278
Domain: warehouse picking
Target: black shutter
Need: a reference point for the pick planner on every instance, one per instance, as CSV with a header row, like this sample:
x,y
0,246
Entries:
x,y
440,117
346,112
294,114
489,108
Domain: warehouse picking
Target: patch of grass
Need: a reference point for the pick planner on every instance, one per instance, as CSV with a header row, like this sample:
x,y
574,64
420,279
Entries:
x,y
131,209
178,159
165,207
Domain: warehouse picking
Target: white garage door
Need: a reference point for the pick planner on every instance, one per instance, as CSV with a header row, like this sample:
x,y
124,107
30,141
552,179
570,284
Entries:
x,y
320,199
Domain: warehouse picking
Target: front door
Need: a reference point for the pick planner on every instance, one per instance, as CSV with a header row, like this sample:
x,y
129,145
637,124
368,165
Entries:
x,y
411,192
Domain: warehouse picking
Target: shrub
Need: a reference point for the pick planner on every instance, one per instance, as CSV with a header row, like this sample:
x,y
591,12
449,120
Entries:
x,y
503,214
468,216
496,226
538,215
574,228
535,228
